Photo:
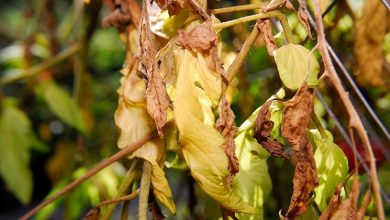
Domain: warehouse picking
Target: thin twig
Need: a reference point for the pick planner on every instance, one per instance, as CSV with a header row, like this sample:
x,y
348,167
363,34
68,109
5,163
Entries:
x,y
272,14
319,126
125,151
144,191
123,188
236,65
237,8
119,199
42,66
354,120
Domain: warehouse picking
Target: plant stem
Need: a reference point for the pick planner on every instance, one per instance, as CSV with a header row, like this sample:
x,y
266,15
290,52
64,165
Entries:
x,y
119,199
272,14
125,184
318,124
237,8
354,120
236,65
124,152
42,66
125,210
144,191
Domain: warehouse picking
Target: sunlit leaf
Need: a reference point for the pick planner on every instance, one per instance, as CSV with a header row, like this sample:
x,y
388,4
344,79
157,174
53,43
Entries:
x,y
62,105
15,130
296,64
253,182
332,166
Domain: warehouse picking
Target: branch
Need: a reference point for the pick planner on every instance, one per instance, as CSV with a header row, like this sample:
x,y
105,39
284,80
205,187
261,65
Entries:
x,y
272,14
42,66
119,199
125,151
354,120
144,191
237,8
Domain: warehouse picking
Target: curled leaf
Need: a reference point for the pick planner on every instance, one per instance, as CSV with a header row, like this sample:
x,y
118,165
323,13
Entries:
x,y
263,129
202,38
201,143
296,118
157,99
266,28
226,126
302,16
334,202
296,65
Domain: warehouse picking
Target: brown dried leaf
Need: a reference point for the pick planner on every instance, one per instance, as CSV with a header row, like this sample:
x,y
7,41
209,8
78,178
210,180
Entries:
x,y
274,4
173,6
302,15
157,99
334,202
296,118
92,214
347,209
370,37
266,28
201,38
116,18
226,126
263,128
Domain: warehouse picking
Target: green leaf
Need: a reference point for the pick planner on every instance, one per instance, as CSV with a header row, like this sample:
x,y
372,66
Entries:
x,y
15,130
62,105
296,64
252,182
332,166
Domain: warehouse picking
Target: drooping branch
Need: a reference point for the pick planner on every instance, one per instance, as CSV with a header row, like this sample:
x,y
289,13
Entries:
x,y
354,120
125,151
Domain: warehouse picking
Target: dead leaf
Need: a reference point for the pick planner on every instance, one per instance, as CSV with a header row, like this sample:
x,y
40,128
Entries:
x,y
263,128
371,29
347,209
157,99
202,38
226,126
92,214
296,118
334,202
274,4
302,15
266,28
173,6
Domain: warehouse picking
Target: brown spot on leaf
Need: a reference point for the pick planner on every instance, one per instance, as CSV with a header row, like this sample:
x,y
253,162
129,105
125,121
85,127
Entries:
x,y
201,38
157,99
226,126
296,118
263,128
266,28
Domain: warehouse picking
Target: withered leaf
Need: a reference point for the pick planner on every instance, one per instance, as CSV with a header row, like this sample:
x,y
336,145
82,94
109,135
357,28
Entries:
x,y
201,38
173,6
92,214
334,202
157,99
371,29
347,209
263,128
117,18
274,4
302,15
266,28
226,126
296,118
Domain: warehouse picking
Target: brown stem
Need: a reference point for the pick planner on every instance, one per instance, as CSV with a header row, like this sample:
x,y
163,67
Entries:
x,y
144,191
125,151
354,120
237,8
119,199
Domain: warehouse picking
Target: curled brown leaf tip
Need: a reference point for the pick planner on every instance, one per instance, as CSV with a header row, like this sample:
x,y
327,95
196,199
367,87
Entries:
x,y
157,99
173,6
263,128
201,38
295,120
266,29
302,15
334,202
226,126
